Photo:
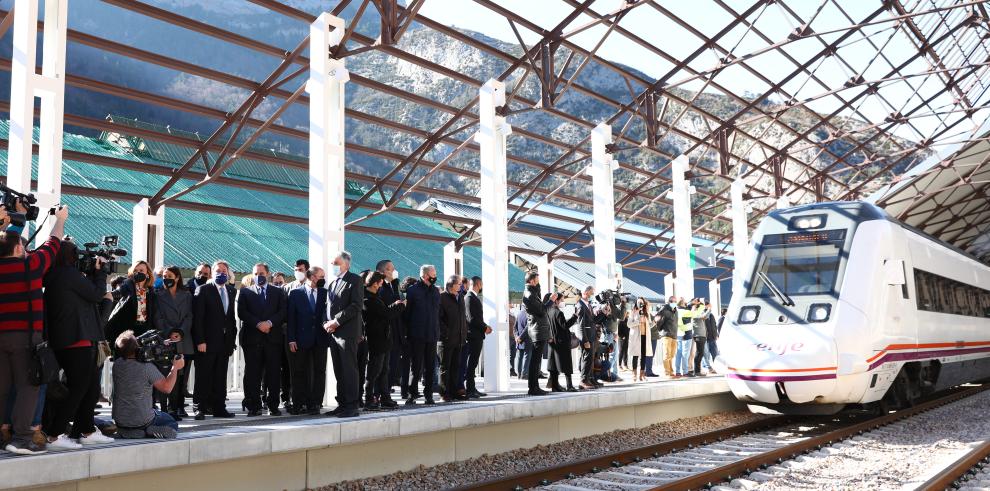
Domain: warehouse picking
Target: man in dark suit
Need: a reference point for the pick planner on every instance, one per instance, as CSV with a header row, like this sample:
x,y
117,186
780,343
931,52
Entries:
x,y
261,311
203,273
477,330
422,320
345,301
389,293
214,332
452,336
588,317
308,343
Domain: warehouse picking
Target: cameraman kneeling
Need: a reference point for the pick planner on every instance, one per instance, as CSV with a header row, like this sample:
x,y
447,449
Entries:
x,y
133,383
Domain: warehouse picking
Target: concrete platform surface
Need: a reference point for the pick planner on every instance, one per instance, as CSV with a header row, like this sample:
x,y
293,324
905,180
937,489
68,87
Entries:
x,y
216,440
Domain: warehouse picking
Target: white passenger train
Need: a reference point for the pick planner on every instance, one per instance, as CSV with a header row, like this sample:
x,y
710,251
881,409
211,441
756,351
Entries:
x,y
845,305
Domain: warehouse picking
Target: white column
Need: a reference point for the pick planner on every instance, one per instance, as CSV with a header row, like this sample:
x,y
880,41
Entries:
x,y
680,192
740,236
545,268
144,225
325,86
669,286
715,296
603,198
492,133
49,86
453,261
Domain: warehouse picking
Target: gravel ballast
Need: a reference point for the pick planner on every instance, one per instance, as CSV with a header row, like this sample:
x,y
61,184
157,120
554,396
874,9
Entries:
x,y
488,467
898,456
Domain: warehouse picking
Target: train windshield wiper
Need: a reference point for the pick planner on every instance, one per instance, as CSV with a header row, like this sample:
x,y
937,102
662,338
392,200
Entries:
x,y
783,297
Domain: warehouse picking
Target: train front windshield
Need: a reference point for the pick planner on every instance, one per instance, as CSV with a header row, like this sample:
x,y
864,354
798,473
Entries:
x,y
804,263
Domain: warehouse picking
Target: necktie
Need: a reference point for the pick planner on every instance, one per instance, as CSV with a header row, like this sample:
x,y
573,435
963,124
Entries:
x,y
312,299
223,297
263,295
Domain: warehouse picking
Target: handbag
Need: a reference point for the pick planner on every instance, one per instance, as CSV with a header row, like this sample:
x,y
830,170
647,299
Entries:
x,y
102,353
575,342
43,367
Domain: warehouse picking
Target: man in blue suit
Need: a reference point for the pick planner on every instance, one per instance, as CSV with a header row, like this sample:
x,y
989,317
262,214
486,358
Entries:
x,y
308,342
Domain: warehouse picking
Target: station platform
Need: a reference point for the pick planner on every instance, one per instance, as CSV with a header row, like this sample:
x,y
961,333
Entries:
x,y
304,452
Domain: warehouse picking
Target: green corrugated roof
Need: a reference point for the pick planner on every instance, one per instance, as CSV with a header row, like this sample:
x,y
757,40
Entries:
x,y
194,236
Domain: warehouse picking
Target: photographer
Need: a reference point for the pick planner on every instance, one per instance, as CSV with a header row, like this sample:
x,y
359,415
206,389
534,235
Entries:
x,y
22,307
173,320
73,304
133,384
135,305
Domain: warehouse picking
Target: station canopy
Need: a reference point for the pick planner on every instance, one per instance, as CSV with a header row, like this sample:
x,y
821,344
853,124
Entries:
x,y
808,100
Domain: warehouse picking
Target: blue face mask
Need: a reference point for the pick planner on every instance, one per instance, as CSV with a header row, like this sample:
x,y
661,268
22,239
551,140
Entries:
x,y
159,282
220,278
260,279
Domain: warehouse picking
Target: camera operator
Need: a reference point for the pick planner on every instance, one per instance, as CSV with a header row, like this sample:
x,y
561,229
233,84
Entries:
x,y
22,307
134,307
173,319
133,385
73,304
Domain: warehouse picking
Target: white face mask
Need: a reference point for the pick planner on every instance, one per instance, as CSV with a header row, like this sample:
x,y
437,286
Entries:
x,y
395,274
300,276
336,270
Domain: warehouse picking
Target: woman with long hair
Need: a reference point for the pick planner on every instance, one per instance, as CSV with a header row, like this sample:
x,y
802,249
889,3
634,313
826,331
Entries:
x,y
134,307
173,319
641,344
73,304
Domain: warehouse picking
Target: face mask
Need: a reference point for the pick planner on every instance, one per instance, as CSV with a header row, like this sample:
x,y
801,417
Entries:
x,y
260,279
433,280
278,283
201,280
220,278
395,274
158,282
140,277
320,283
168,282
336,270
479,292
300,276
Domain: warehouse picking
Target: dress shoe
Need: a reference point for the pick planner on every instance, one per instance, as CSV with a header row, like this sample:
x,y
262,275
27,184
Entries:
x,y
556,388
349,413
446,399
373,406
199,416
474,394
411,401
254,412
313,411
182,412
388,404
570,388
461,395
223,414
543,375
537,392
587,386
512,372
293,411
175,416
429,401
337,410
274,412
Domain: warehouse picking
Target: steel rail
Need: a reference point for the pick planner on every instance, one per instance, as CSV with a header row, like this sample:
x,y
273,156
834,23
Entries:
x,y
949,477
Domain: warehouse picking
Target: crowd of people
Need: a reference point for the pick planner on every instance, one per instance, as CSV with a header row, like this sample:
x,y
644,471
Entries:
x,y
61,322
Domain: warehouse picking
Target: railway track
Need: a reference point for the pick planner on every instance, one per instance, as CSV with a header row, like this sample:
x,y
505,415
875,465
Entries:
x,y
750,451
971,472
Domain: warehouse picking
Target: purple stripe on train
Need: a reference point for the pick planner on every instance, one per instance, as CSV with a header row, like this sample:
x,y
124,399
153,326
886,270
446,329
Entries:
x,y
917,355
780,378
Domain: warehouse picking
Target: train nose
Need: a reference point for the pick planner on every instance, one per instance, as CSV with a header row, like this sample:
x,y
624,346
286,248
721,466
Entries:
x,y
798,371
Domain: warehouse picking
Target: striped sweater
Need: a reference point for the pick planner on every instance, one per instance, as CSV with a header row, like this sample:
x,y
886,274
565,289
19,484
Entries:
x,y
15,291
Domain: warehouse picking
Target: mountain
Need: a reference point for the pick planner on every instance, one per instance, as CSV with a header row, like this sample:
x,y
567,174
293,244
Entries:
x,y
98,18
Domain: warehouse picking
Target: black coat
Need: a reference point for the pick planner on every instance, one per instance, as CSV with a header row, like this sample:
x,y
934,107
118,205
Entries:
x,y
124,314
251,310
73,304
211,324
377,319
536,315
711,327
422,315
175,314
475,314
453,322
560,352
304,324
667,321
345,301
588,319
389,293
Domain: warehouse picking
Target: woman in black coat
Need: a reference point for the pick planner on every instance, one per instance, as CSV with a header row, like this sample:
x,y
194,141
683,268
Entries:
x,y
560,344
173,320
73,303
134,303
377,318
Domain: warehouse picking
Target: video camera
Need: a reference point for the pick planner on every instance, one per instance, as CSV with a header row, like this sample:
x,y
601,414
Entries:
x,y
106,250
153,348
610,297
11,199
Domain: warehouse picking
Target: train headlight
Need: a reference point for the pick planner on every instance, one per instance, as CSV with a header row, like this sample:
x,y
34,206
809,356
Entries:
x,y
819,312
748,315
806,222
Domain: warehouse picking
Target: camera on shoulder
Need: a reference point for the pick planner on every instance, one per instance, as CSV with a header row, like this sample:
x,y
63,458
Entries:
x,y
153,348
106,250
10,199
